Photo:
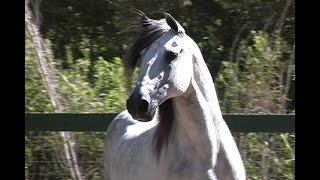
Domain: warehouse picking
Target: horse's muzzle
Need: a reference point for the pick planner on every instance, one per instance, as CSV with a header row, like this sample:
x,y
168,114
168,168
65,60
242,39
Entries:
x,y
139,108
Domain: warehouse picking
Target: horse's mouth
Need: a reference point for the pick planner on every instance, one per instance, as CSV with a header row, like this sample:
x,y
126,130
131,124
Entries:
x,y
144,117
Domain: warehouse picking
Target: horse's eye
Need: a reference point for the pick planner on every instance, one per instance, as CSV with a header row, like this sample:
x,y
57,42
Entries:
x,y
171,55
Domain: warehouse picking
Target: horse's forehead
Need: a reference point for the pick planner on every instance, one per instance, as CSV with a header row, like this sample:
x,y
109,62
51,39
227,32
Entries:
x,y
172,43
168,43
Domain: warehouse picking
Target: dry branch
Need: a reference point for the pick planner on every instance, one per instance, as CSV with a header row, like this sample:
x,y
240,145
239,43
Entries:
x,y
32,25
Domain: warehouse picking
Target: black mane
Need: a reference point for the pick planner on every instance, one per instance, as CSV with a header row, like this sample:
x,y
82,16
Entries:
x,y
145,31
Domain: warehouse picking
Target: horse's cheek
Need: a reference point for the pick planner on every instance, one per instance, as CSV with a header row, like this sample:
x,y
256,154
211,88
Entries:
x,y
181,80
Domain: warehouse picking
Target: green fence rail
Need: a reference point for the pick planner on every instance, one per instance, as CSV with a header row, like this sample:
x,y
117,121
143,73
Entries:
x,y
99,122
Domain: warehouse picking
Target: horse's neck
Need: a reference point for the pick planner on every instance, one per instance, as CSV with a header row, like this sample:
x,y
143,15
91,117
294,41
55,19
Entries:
x,y
205,83
194,126
208,117
197,112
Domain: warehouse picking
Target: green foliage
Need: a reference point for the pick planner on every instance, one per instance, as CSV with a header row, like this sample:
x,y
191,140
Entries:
x,y
36,99
44,152
252,84
106,94
110,83
254,78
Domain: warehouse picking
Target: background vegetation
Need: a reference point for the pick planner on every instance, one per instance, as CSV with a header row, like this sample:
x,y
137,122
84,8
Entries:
x,y
248,46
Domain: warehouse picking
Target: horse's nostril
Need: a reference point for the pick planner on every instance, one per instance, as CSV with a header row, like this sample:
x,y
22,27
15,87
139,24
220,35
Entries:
x,y
144,106
129,106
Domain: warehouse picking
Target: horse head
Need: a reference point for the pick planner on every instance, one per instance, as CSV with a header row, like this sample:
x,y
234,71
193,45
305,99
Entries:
x,y
166,66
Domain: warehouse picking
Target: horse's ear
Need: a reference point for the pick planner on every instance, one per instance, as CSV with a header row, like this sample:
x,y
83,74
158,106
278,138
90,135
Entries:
x,y
173,23
144,20
143,17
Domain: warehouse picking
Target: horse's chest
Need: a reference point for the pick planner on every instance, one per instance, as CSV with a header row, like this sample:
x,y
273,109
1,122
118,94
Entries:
x,y
131,157
134,159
